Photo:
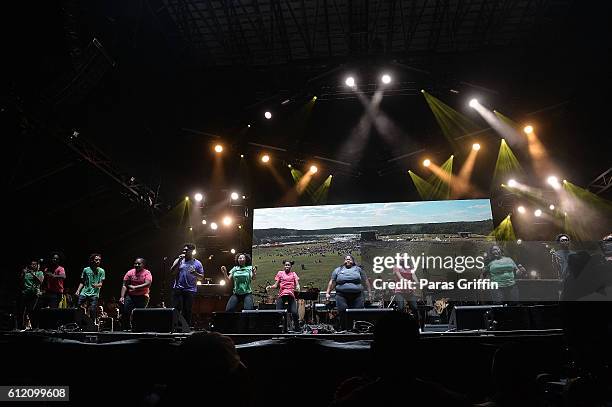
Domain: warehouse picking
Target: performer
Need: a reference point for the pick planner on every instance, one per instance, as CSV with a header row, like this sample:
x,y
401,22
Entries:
x,y
187,271
561,255
241,275
136,284
404,273
348,280
53,284
92,279
31,280
289,282
502,270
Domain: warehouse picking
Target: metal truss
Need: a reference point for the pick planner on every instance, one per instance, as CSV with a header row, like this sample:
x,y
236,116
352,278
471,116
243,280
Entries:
x,y
602,183
264,32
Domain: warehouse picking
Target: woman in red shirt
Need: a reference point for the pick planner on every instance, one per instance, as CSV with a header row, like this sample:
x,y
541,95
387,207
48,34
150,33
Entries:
x,y
289,282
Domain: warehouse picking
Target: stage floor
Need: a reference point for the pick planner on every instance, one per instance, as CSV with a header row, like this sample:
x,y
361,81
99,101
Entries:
x,y
435,332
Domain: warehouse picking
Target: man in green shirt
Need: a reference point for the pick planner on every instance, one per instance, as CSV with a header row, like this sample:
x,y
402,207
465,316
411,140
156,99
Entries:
x,y
92,279
31,280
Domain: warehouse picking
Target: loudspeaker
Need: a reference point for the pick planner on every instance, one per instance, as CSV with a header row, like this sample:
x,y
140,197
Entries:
x,y
250,321
508,318
55,318
469,317
371,315
158,320
266,321
545,317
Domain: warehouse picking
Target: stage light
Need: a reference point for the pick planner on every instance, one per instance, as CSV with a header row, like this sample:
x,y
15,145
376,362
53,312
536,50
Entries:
x,y
422,90
239,226
186,198
243,196
473,103
248,125
553,182
198,197
227,221
234,195
233,251
427,162
198,282
313,169
268,115
533,274
241,155
519,241
350,81
190,228
475,146
521,209
551,207
386,79
222,282
289,166
314,98
265,158
218,148
512,183
538,212
528,129
203,221
213,226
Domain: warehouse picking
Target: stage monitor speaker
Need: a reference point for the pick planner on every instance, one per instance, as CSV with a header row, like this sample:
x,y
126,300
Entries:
x,y
510,318
228,322
265,321
545,317
56,318
370,315
469,317
159,320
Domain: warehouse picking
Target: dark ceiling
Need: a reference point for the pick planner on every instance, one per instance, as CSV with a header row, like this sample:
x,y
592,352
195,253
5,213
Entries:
x,y
165,79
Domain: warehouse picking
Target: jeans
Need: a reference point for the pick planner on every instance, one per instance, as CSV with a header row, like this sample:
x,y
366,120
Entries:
x,y
92,300
27,305
345,301
182,300
291,307
131,302
505,294
400,302
235,299
50,300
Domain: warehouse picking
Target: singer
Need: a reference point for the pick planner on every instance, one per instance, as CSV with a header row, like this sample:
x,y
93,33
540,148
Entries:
x,y
186,271
241,275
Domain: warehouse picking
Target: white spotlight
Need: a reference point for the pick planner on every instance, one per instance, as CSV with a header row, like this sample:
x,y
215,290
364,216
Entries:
x,y
203,221
233,251
512,183
519,241
268,115
551,207
194,252
222,282
533,274
521,209
213,226
386,79
553,182
538,212
473,103
234,195
313,169
475,146
198,197
227,221
350,81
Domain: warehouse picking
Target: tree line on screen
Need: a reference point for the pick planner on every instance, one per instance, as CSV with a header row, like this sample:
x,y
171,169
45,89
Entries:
x,y
482,227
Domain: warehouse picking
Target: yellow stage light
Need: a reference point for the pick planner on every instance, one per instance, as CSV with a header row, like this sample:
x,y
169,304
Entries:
x,y
427,162
475,146
313,169
218,148
528,129
265,158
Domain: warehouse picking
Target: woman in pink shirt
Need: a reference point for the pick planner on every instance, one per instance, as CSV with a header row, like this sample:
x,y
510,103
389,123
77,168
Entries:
x,y
289,282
